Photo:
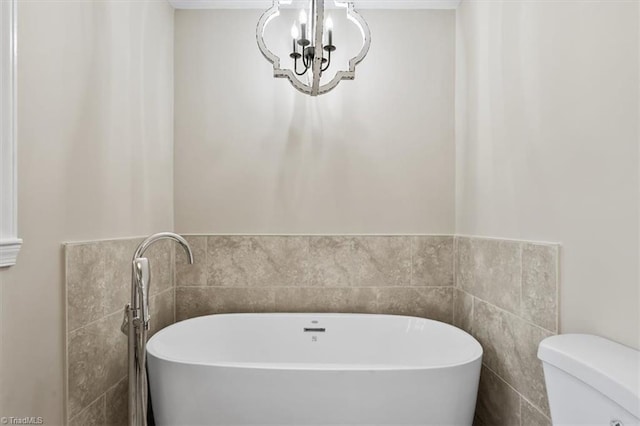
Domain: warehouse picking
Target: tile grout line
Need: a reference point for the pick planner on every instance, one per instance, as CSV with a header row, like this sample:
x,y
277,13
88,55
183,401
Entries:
x,y
455,235
103,273
535,407
103,394
473,311
313,235
85,408
558,271
104,407
510,313
317,287
116,384
498,375
502,379
119,311
207,242
521,301
173,287
511,240
521,397
411,256
520,407
454,260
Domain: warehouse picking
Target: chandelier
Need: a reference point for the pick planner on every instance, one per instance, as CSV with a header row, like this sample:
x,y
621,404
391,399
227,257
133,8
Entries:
x,y
312,44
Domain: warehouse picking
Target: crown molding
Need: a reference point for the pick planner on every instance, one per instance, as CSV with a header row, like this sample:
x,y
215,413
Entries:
x,y
359,4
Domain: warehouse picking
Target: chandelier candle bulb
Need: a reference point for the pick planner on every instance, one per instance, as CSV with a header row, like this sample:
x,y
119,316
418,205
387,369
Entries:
x,y
330,29
303,24
294,35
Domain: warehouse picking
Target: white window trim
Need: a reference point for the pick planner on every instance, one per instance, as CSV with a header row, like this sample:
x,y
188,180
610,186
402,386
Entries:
x,y
9,242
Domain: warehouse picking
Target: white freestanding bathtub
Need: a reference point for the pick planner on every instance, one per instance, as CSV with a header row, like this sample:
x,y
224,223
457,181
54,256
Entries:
x,y
313,369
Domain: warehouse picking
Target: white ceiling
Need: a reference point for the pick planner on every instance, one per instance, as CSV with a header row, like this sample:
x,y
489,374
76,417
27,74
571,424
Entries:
x,y
359,4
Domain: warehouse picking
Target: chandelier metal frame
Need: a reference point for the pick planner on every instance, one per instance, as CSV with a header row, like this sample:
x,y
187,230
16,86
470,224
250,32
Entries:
x,y
314,88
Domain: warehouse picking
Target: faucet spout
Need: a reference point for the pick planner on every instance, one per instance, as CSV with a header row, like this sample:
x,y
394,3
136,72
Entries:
x,y
164,236
187,249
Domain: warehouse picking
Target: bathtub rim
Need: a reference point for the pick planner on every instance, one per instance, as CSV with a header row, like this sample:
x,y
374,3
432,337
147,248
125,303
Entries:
x,y
477,357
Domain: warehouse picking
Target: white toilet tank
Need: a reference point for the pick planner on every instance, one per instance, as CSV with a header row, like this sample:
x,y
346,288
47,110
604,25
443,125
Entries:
x,y
591,380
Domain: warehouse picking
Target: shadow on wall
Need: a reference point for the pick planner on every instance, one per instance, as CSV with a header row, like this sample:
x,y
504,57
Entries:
x,y
119,137
315,149
256,155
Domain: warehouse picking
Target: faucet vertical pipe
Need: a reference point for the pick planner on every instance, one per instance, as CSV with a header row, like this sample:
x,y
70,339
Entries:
x,y
143,279
137,317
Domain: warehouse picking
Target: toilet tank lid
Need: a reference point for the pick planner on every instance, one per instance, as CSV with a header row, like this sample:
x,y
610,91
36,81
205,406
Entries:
x,y
609,367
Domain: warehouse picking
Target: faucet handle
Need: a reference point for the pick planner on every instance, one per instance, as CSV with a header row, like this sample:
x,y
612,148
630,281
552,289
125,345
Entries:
x,y
124,327
143,280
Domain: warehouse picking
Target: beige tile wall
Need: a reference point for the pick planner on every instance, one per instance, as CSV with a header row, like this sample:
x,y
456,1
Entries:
x,y
410,275
506,296
98,279
502,292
